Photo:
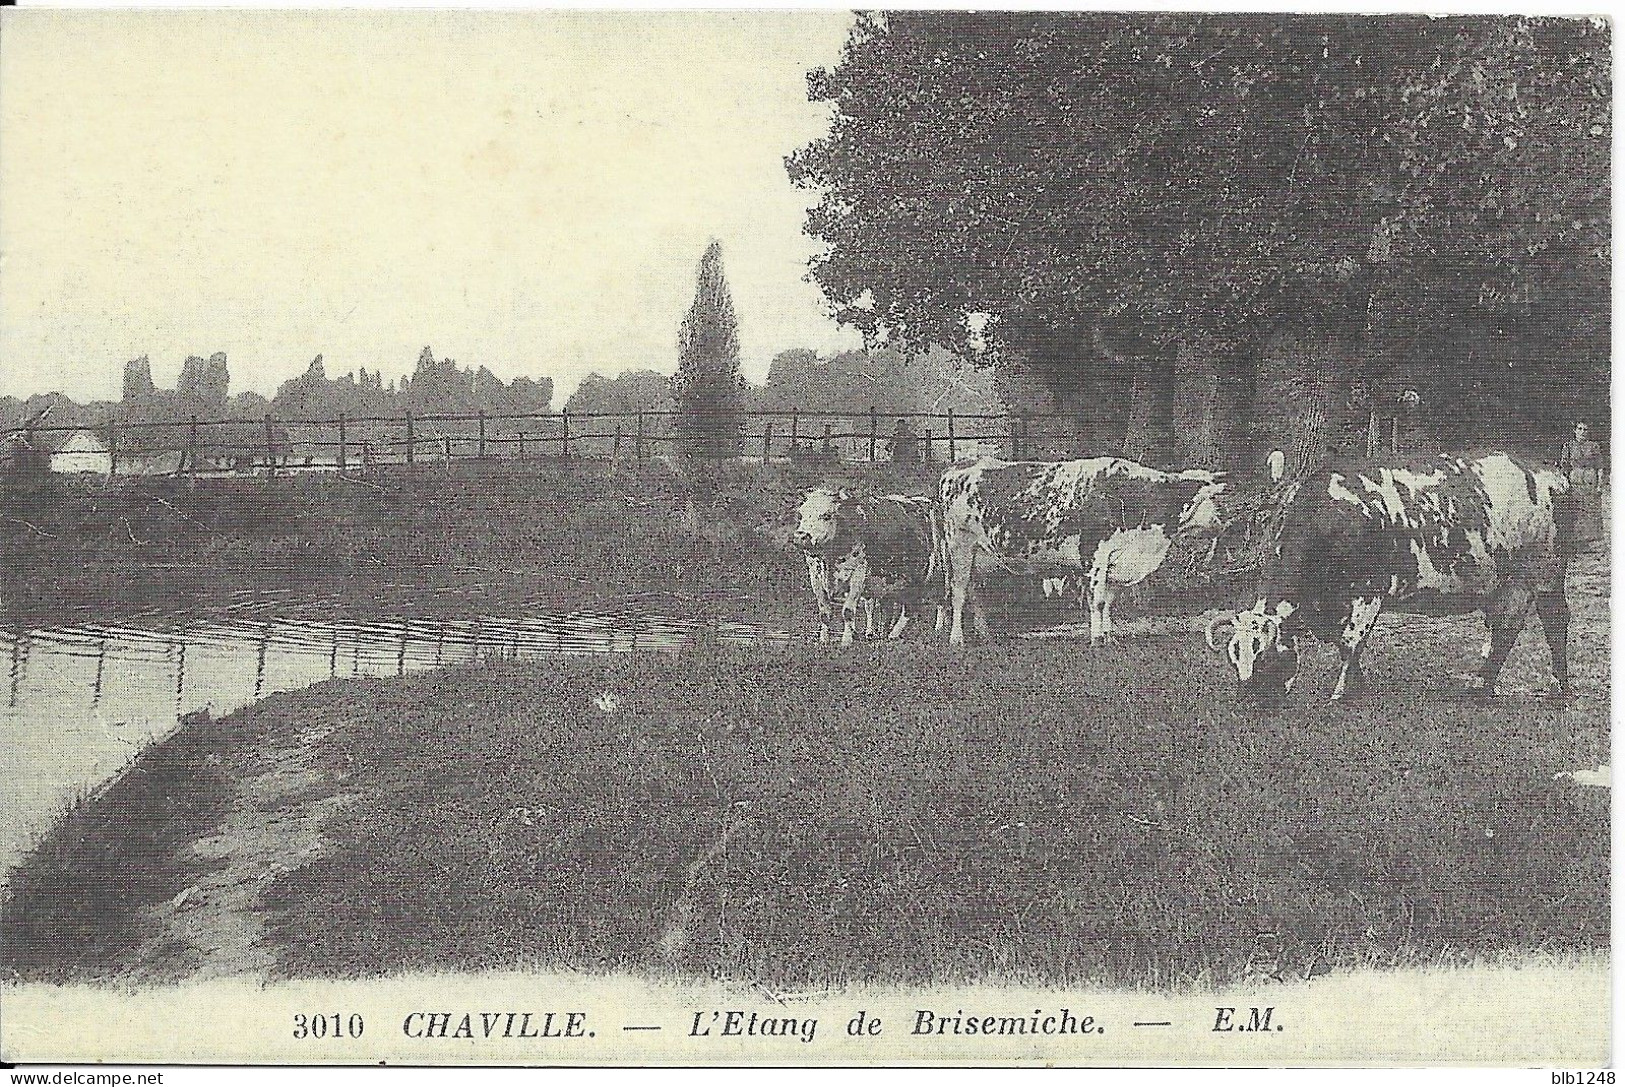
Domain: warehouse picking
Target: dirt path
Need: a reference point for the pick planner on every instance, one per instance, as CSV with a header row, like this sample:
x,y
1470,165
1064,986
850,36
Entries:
x,y
218,926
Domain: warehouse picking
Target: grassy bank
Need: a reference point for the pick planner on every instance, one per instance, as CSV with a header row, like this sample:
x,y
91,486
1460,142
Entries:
x,y
1029,812
566,533
75,908
477,537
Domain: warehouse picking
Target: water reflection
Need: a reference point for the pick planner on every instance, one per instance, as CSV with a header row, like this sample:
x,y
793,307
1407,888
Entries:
x,y
85,698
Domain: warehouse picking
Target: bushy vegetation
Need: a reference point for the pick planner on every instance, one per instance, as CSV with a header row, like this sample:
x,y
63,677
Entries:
x,y
570,533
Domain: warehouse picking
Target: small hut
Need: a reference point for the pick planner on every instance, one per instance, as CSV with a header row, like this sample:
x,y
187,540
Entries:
x,y
83,452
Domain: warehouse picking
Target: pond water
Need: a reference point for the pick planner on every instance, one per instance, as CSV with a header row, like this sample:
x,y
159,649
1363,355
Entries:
x,y
78,702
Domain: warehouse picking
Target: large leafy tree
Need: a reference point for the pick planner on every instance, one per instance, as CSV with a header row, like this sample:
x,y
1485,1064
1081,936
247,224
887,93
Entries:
x,y
1159,212
708,387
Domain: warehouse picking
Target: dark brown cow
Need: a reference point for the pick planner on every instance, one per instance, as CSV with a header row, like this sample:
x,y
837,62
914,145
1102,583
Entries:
x,y
869,551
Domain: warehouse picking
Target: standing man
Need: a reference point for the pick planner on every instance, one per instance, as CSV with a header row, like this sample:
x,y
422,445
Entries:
x,y
905,445
1581,461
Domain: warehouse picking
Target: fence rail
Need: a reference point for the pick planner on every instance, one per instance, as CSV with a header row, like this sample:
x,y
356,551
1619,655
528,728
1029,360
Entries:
x,y
195,446
271,444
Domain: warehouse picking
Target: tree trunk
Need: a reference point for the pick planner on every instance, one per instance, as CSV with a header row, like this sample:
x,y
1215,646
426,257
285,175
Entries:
x,y
1139,437
1201,423
1146,433
1302,397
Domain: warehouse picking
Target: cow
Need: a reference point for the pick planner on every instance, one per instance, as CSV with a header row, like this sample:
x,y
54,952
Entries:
x,y
831,581
1448,534
869,551
1107,517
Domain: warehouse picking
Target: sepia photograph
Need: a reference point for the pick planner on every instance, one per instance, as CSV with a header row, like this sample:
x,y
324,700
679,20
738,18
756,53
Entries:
x,y
801,537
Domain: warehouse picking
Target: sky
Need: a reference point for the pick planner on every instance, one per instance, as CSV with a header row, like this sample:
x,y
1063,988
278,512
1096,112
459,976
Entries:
x,y
526,191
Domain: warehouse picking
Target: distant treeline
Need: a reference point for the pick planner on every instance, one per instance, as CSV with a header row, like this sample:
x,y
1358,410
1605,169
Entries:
x,y
437,386
799,380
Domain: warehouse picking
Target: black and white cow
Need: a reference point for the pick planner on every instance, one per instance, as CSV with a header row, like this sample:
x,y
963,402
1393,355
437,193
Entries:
x,y
1107,517
869,551
1447,534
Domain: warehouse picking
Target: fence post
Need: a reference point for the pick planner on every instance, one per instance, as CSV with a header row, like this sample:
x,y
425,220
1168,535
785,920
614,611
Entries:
x,y
874,432
112,449
926,450
767,441
482,434
344,439
445,440
521,443
616,455
565,445
191,447
1015,437
795,432
270,445
640,438
826,439
952,454
411,442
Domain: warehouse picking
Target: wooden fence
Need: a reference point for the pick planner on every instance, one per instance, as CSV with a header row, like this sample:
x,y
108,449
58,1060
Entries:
x,y
225,446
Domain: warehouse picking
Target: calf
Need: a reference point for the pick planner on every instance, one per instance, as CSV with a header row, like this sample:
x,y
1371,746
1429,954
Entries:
x,y
870,550
1448,534
1106,516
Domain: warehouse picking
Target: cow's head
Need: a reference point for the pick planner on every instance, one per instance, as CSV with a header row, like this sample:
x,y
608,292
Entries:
x,y
818,519
1201,511
1263,647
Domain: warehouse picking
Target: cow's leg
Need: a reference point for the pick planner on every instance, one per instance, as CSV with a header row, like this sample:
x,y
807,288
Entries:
x,y
1359,618
1097,605
1553,609
942,617
979,615
1507,615
856,586
819,577
870,607
1108,594
960,561
902,621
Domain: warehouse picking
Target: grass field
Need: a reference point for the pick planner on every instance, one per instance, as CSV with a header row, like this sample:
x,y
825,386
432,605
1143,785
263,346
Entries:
x,y
1029,812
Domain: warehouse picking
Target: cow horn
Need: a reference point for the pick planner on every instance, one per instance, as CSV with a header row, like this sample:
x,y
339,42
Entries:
x,y
1212,625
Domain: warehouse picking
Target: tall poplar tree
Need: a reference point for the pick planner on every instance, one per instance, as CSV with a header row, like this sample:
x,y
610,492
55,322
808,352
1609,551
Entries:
x,y
708,387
